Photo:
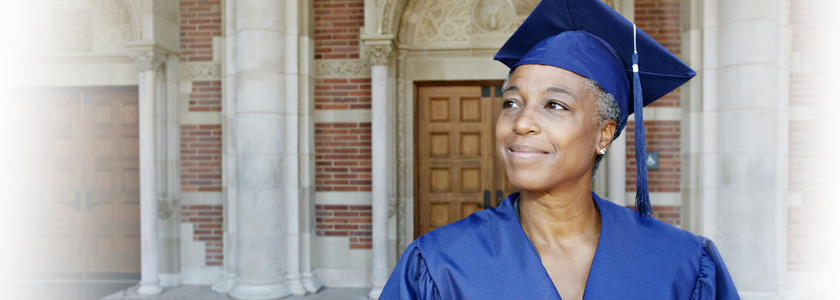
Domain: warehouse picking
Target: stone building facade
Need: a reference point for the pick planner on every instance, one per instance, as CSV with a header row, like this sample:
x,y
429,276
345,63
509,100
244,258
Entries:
x,y
272,148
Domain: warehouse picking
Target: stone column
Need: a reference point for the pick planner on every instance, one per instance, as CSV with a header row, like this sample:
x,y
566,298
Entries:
x,y
229,154
290,151
306,148
169,188
748,213
147,61
260,146
379,52
617,170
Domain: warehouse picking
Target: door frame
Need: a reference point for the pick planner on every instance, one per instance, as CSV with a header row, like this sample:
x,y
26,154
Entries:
x,y
413,67
415,135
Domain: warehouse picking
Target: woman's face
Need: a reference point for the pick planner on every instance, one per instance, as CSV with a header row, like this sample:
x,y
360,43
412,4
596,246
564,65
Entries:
x,y
546,134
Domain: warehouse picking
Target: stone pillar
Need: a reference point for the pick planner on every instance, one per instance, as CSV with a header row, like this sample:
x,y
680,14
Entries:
x,y
750,179
169,187
229,153
306,148
147,61
260,146
617,170
290,151
380,52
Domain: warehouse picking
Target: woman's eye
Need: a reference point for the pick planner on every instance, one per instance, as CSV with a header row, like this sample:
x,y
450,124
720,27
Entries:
x,y
509,104
554,105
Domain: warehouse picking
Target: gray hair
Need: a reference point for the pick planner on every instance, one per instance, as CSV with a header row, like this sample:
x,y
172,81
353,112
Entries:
x,y
605,109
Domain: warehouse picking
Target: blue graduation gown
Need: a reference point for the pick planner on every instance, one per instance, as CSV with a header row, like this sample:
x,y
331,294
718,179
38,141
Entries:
x,y
488,256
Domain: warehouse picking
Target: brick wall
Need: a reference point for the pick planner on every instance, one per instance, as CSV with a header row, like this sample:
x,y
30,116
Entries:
x,y
201,158
668,214
207,227
200,22
661,20
206,96
664,137
342,157
353,221
342,93
337,24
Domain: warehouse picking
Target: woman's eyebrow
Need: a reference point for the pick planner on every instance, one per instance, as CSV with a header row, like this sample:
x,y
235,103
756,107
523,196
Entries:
x,y
560,90
511,88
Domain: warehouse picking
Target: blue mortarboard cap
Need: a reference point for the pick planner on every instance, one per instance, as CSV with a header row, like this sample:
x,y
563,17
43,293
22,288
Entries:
x,y
591,39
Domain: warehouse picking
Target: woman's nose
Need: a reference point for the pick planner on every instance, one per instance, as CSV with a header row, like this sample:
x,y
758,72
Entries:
x,y
525,122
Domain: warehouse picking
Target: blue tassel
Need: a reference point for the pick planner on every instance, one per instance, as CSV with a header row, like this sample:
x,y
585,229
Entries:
x,y
642,197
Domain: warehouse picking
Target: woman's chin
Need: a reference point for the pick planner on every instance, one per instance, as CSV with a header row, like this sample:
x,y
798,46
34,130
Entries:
x,y
529,182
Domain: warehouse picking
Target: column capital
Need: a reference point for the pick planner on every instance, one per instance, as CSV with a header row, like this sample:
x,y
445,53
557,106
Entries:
x,y
379,49
147,59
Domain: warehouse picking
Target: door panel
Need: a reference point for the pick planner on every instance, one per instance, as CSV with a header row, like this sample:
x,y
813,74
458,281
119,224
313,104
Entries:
x,y
456,158
88,210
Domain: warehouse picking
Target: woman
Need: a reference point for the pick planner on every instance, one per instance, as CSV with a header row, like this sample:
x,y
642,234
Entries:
x,y
565,100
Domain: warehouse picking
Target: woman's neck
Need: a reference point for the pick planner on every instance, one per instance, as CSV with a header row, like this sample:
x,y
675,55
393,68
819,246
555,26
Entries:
x,y
559,218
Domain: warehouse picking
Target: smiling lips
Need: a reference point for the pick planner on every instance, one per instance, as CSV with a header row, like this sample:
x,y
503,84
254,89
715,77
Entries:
x,y
525,152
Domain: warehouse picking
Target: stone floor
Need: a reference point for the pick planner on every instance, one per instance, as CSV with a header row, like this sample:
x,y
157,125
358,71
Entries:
x,y
197,292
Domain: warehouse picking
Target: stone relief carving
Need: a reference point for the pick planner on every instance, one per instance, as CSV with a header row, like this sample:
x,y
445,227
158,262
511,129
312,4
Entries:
x,y
493,15
379,54
343,68
147,59
482,22
444,21
166,208
72,30
402,230
84,25
201,71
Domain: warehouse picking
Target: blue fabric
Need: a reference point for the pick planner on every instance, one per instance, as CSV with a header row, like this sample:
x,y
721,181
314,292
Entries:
x,y
642,197
488,256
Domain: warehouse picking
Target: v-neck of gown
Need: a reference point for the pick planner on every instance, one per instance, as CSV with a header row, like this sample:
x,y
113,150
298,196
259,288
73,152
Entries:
x,y
537,253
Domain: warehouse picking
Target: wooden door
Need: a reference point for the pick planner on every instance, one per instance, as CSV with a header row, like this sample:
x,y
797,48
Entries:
x,y
457,166
89,206
112,185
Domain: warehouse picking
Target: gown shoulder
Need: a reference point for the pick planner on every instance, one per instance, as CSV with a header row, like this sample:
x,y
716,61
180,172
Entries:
x,y
411,278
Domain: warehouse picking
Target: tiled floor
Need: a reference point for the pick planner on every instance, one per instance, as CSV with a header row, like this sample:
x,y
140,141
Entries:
x,y
199,292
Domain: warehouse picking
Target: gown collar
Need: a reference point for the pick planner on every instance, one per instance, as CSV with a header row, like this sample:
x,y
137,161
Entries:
x,y
600,276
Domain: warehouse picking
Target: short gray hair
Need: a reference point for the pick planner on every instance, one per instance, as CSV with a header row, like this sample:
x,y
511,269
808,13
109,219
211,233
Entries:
x,y
605,110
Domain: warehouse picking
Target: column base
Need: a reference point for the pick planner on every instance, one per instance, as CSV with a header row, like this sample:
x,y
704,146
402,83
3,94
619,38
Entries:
x,y
259,292
311,283
149,289
375,292
295,285
224,286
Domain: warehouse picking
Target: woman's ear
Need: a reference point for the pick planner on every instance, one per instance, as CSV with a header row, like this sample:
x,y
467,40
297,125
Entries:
x,y
606,134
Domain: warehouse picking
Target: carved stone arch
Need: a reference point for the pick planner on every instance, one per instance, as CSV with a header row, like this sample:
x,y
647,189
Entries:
x,y
389,16
134,12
